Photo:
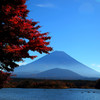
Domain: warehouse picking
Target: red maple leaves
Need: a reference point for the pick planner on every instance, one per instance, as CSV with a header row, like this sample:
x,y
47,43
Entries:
x,y
18,34
4,77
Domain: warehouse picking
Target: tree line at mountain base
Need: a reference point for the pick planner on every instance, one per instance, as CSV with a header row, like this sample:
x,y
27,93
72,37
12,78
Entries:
x,y
49,84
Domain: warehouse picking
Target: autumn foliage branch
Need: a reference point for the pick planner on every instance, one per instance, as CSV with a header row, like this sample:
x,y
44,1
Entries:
x,y
18,34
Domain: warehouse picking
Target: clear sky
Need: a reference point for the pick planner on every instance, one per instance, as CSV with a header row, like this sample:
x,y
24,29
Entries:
x,y
74,26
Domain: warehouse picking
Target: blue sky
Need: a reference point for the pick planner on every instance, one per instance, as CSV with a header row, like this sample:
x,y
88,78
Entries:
x,y
74,26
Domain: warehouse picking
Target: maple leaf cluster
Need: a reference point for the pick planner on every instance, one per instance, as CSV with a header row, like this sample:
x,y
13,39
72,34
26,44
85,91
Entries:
x,y
4,77
18,34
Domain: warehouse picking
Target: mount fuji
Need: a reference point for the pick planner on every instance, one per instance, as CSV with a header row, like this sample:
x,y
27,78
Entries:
x,y
56,60
60,74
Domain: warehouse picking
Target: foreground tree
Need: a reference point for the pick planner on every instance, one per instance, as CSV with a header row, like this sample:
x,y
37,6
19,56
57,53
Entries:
x,y
4,77
18,34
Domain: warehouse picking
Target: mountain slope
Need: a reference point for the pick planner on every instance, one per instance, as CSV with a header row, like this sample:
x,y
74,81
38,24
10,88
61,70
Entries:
x,y
58,73
57,59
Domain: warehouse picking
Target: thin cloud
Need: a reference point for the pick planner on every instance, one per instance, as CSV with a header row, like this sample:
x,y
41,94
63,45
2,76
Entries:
x,y
97,0
95,65
47,5
23,63
98,65
86,8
